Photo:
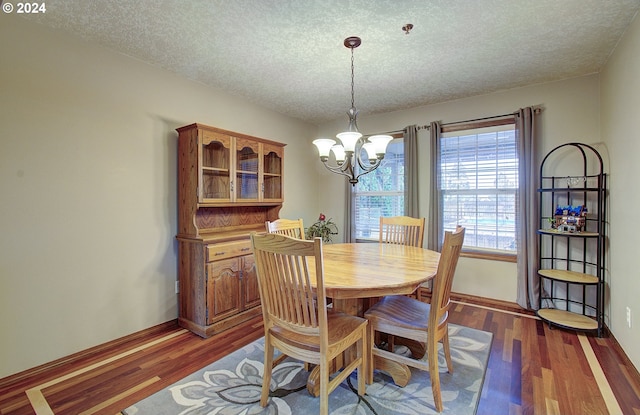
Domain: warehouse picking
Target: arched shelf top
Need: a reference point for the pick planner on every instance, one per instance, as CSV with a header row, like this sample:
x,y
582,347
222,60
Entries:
x,y
585,150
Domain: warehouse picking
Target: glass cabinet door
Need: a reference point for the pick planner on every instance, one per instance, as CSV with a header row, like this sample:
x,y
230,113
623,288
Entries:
x,y
215,178
272,176
247,167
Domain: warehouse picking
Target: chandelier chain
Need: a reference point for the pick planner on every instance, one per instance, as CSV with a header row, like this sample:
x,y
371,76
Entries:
x,y
352,83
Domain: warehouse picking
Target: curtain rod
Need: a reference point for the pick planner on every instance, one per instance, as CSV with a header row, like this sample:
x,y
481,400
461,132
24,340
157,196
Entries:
x,y
388,133
426,127
536,108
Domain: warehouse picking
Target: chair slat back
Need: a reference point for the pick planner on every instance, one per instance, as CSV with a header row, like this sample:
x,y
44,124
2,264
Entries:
x,y
289,227
440,299
284,281
402,230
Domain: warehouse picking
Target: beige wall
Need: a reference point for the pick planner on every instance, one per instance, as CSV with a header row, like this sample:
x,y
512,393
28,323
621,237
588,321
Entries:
x,y
571,113
88,177
620,91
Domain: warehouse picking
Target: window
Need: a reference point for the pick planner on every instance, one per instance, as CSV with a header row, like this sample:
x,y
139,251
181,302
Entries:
x,y
379,193
478,185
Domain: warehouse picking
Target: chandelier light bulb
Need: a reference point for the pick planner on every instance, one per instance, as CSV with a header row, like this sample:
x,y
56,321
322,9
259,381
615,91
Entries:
x,y
349,140
371,152
324,147
380,142
339,153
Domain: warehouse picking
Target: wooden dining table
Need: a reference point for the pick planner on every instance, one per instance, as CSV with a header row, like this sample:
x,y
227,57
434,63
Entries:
x,y
357,271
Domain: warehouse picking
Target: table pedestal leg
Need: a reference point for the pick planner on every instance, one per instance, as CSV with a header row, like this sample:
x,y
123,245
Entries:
x,y
351,306
313,382
418,349
400,373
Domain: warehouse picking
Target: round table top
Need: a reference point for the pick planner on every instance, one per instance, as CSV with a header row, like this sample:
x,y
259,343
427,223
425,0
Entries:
x,y
362,270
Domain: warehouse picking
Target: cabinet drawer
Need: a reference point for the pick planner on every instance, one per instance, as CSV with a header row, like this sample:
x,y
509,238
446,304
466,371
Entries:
x,y
227,250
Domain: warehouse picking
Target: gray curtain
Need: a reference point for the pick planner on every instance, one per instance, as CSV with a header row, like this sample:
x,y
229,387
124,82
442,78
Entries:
x,y
528,207
411,171
434,225
349,227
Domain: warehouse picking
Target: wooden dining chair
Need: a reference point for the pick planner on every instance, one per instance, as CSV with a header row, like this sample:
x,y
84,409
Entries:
x,y
292,322
295,229
425,323
402,230
289,227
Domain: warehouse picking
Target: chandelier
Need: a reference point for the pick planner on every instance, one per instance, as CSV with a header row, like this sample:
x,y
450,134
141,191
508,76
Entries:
x,y
348,152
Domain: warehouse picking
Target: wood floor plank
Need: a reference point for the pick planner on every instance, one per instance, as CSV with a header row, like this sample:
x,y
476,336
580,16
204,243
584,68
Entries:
x,y
603,385
38,402
620,374
539,401
102,405
552,407
529,366
515,393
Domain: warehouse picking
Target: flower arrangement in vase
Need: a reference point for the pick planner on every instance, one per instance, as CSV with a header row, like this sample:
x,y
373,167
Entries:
x,y
323,228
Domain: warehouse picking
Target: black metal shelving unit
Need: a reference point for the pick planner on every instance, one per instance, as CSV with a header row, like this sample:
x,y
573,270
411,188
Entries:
x,y
571,262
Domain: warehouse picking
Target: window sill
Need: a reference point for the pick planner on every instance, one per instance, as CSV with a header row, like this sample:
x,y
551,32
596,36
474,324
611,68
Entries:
x,y
492,256
366,240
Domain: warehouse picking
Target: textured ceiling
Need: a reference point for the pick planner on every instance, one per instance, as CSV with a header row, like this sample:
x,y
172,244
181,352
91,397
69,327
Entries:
x,y
288,55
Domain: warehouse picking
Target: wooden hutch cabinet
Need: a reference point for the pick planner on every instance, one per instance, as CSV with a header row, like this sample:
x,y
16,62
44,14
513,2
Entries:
x,y
229,184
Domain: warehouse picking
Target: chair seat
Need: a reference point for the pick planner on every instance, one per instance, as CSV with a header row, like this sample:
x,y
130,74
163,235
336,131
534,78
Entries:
x,y
401,311
340,326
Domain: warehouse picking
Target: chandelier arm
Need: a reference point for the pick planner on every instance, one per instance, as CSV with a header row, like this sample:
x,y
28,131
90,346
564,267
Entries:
x,y
367,167
365,172
345,169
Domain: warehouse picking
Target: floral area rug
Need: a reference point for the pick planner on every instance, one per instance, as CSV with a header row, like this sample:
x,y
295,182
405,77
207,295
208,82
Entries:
x,y
231,386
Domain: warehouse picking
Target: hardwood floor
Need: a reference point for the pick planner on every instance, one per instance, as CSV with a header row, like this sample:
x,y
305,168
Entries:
x,y
532,369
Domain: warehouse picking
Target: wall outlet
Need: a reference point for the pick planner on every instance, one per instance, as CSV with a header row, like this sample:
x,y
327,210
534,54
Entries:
x,y
629,317
178,290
